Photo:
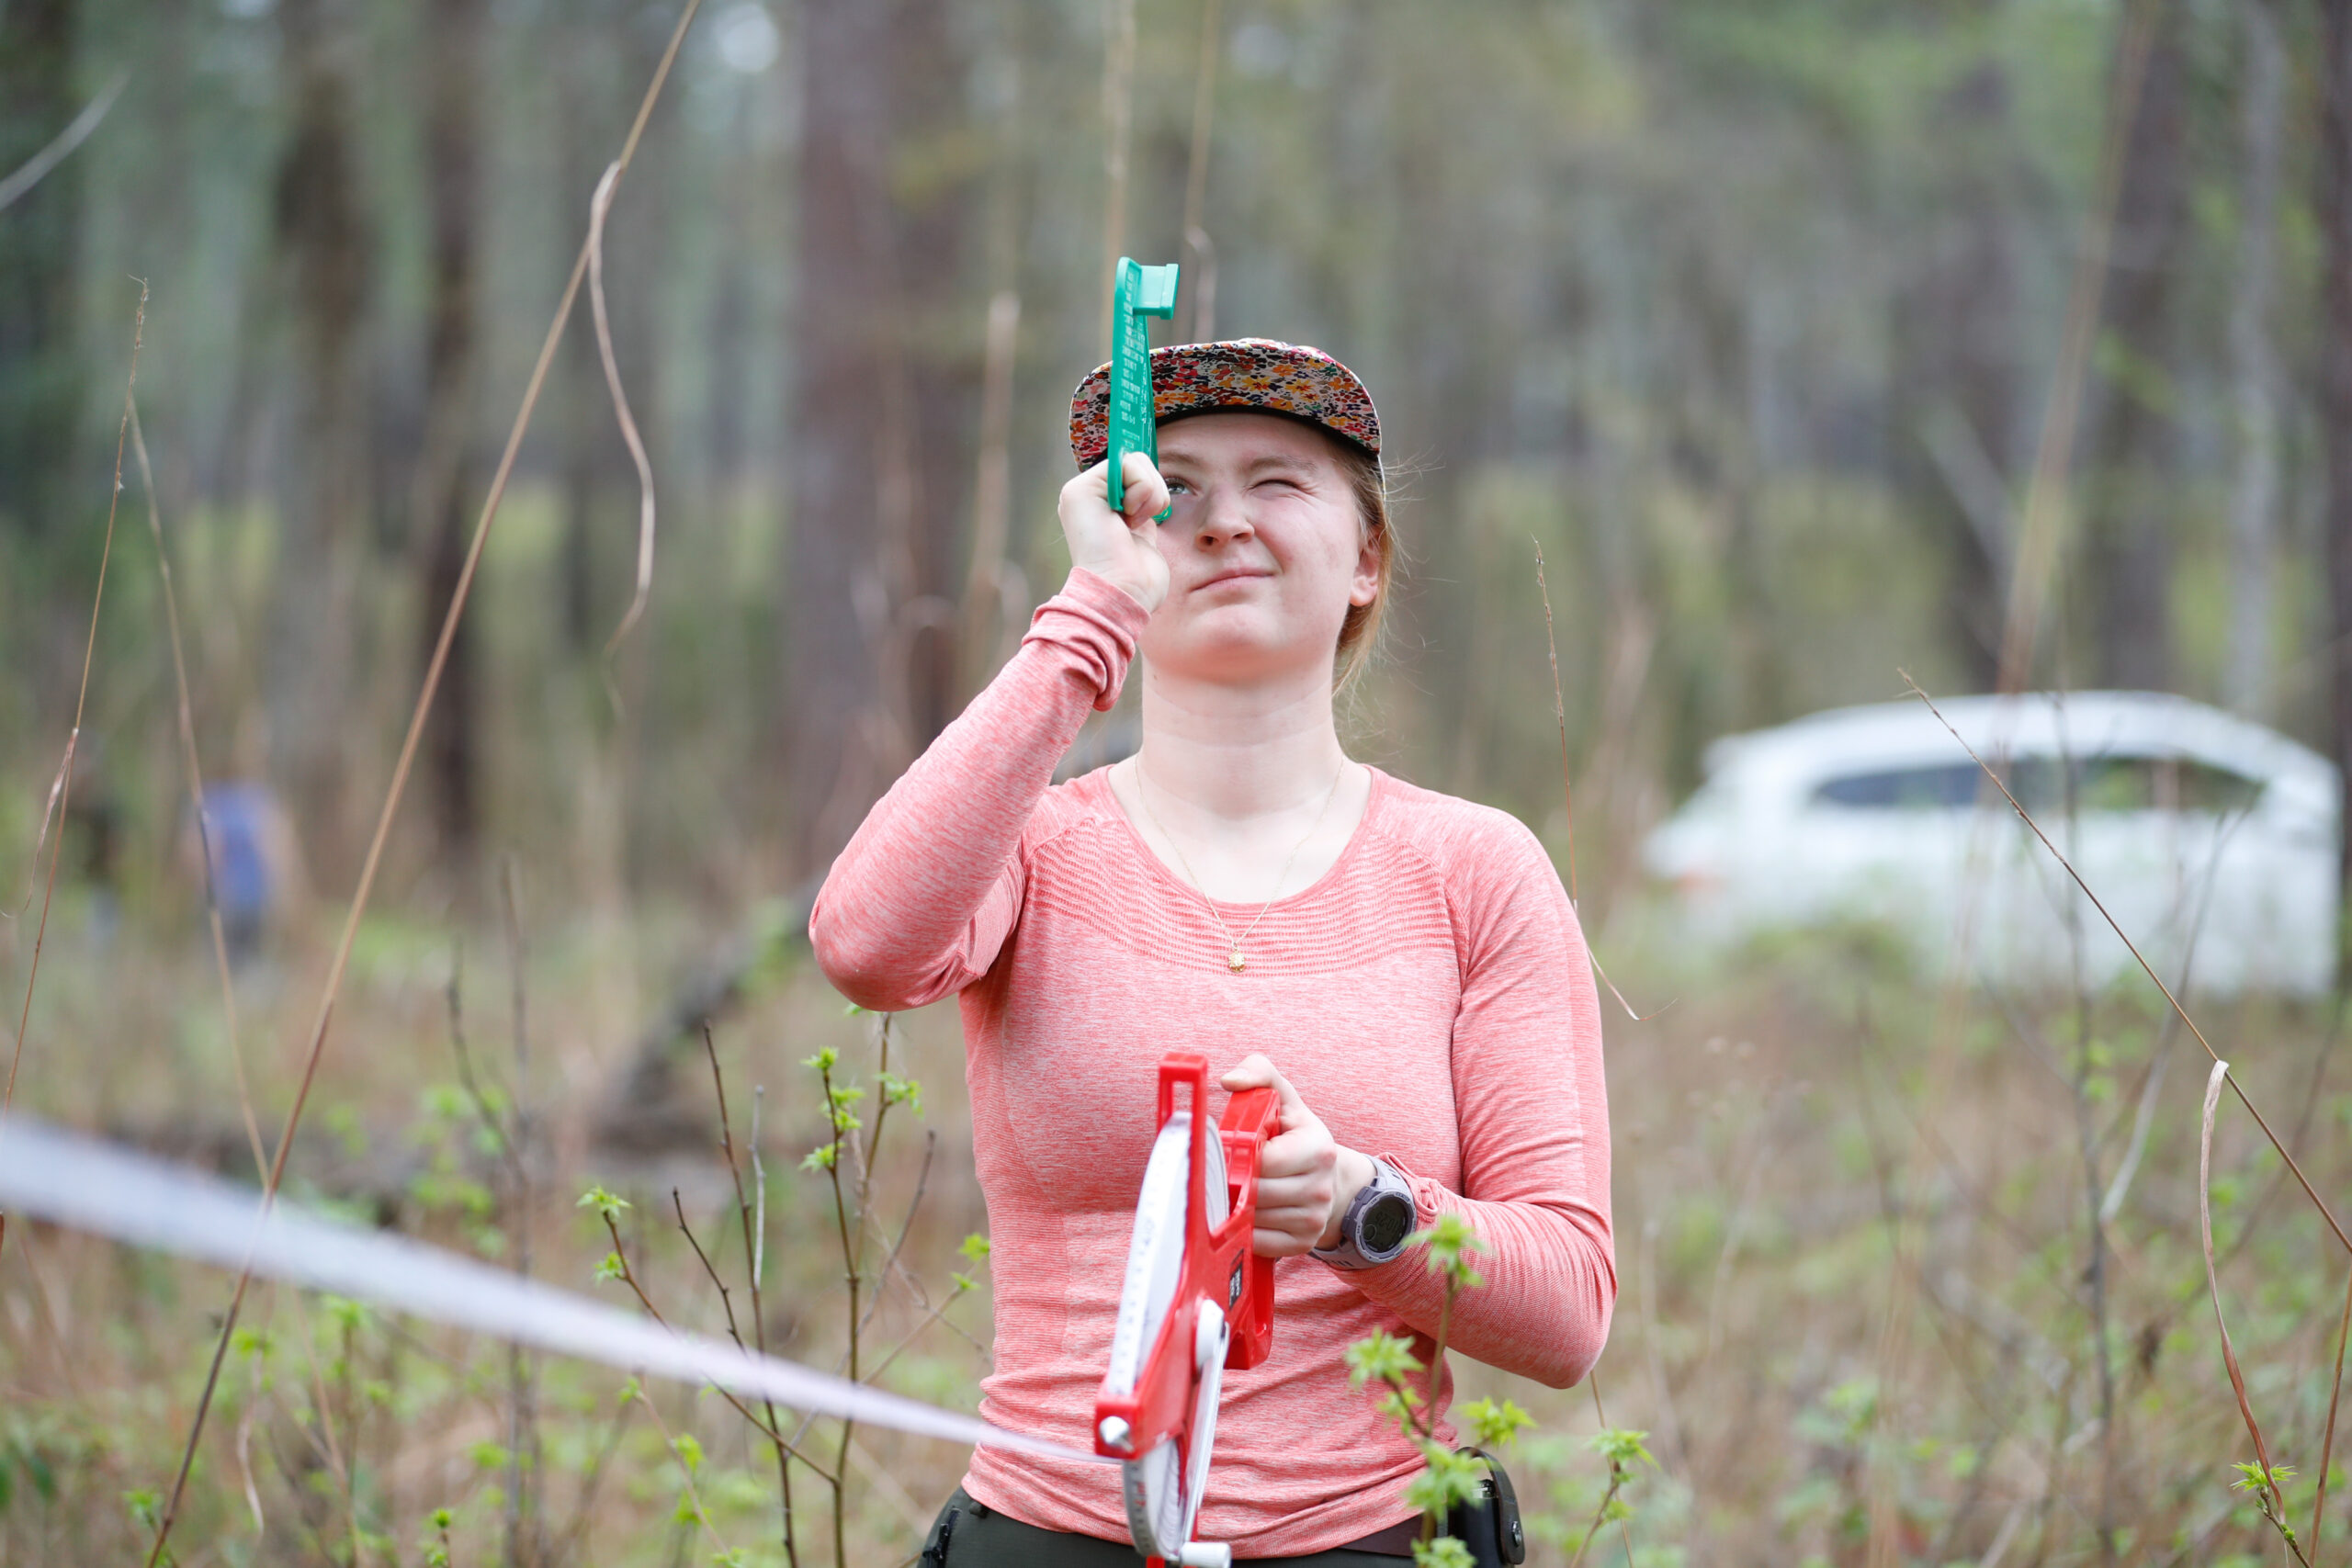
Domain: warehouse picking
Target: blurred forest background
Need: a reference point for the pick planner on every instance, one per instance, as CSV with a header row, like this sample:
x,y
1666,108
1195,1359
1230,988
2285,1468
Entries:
x,y
1749,314
1754,317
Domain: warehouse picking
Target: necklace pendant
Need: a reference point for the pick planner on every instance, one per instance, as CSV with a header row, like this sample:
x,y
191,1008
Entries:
x,y
1233,960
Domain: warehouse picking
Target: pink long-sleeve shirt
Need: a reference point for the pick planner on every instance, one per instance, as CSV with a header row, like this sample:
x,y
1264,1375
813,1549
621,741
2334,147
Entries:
x,y
1428,996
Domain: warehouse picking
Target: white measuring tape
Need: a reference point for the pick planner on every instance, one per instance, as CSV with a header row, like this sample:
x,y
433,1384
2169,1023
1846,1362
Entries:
x,y
87,1185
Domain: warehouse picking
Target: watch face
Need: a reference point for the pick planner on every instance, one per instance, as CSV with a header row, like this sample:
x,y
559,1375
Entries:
x,y
1388,1220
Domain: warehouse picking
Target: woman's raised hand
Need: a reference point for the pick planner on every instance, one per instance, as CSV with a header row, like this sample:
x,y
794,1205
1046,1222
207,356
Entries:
x,y
1122,549
1305,1180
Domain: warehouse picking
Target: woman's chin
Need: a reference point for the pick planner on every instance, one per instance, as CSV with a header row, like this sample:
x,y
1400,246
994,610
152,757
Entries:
x,y
1233,656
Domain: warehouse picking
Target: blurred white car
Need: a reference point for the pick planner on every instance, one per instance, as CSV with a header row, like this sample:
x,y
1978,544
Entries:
x,y
2210,839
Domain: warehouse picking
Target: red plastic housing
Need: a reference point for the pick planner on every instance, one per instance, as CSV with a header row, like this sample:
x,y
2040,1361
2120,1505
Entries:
x,y
1218,1265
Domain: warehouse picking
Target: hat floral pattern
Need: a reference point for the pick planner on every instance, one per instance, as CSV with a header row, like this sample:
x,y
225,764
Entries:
x,y
1246,373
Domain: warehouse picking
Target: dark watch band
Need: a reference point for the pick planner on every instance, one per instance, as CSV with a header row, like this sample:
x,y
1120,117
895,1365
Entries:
x,y
1376,1225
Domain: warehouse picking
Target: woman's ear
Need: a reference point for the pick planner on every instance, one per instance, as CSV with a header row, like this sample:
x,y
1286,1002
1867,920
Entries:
x,y
1365,586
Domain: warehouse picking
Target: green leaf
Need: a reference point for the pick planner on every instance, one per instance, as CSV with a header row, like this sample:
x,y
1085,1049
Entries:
x,y
1447,1479
442,1101
1382,1357
822,1157
1496,1425
823,1061
1622,1446
606,1204
896,1090
612,1267
1448,1244
144,1506
436,1546
975,1247
689,1452
1443,1552
2253,1479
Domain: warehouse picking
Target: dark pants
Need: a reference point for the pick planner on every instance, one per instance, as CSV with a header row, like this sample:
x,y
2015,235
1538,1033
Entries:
x,y
973,1535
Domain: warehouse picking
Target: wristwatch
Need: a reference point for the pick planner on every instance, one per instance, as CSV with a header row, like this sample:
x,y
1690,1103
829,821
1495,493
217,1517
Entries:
x,y
1376,1224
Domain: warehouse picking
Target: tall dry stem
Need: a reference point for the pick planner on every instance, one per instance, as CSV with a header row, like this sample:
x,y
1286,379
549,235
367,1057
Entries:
x,y
195,789
64,790
439,661
2275,1505
754,1221
1568,791
2031,565
598,207
2170,1000
2334,1393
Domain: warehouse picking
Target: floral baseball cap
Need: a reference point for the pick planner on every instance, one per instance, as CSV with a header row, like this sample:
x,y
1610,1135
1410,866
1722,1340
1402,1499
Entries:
x,y
1245,373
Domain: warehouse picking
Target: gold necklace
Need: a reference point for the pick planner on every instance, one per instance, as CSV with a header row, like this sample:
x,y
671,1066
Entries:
x,y
1233,960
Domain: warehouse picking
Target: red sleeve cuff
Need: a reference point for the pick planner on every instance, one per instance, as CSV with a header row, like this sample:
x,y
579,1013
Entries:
x,y
1098,622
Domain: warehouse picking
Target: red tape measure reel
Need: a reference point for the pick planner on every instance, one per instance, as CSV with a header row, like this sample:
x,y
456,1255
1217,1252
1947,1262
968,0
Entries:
x,y
1195,1302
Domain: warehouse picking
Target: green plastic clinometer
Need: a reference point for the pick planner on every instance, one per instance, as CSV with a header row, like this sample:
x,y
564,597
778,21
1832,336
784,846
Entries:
x,y
1137,293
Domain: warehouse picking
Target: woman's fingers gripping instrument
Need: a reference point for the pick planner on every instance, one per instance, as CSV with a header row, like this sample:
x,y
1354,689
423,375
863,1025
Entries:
x,y
1299,1175
1121,546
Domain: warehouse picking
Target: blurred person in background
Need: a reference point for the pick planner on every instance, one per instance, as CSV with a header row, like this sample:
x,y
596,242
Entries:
x,y
254,876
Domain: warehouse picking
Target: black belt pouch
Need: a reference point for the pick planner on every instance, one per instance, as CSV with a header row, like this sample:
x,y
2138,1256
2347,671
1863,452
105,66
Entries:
x,y
1490,1526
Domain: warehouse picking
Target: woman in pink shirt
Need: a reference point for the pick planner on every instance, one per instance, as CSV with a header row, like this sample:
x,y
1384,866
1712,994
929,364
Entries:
x,y
1403,968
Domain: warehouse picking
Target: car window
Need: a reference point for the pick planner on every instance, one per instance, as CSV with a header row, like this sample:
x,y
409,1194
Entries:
x,y
1903,789
2155,783
2101,784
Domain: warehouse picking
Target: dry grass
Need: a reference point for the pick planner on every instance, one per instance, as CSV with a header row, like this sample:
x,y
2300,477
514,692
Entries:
x,y
1762,1129
342,1431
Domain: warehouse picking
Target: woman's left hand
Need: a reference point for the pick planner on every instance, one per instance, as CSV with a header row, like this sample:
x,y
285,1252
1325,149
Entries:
x,y
1305,1180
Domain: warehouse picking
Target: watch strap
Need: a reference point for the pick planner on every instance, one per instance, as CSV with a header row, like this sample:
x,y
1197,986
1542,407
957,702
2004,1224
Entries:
x,y
1351,1252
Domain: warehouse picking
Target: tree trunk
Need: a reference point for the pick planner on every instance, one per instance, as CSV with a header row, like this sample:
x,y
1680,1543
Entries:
x,y
2253,495
322,250
40,379
2332,204
1956,387
880,444
578,384
2134,475
444,495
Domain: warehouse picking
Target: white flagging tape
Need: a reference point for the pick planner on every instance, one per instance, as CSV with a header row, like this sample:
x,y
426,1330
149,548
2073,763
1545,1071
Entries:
x,y
87,1185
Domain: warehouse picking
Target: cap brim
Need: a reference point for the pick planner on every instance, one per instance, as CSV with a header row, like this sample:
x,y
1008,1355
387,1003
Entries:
x,y
1260,374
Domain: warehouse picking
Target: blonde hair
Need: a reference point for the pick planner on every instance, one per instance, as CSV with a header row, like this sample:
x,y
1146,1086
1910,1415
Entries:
x,y
1360,632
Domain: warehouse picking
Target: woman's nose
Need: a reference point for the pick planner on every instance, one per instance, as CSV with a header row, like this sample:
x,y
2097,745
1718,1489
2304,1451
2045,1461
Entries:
x,y
1221,517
